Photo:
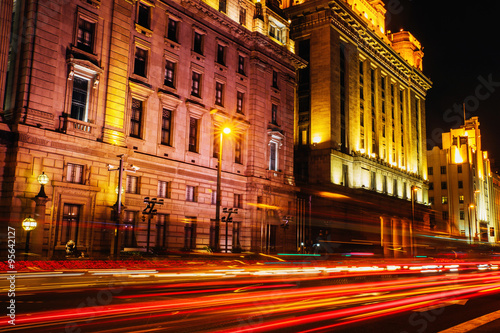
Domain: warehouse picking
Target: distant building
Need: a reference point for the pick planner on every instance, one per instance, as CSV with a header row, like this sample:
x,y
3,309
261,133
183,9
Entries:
x,y
462,190
153,81
360,128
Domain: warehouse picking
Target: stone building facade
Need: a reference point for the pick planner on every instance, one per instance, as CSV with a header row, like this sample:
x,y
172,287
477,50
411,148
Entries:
x,y
150,83
360,127
462,187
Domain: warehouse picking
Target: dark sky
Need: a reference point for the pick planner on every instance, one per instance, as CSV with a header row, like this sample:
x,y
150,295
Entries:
x,y
461,57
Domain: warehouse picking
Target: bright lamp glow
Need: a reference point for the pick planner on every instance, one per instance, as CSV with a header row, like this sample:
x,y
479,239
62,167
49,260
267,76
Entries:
x,y
29,223
43,179
226,130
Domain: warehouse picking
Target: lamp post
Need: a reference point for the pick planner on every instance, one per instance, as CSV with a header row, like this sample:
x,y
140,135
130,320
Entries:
x,y
225,130
471,238
476,205
228,219
43,180
414,190
120,170
150,211
40,200
28,224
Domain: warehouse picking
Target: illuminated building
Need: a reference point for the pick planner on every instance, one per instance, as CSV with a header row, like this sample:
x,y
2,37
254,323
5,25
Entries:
x,y
461,188
360,124
495,206
152,81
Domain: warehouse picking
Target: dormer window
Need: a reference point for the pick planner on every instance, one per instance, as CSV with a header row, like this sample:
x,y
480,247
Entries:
x,y
277,31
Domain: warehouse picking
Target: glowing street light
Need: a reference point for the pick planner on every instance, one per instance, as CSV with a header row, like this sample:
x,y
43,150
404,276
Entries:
x,y
225,130
43,180
28,224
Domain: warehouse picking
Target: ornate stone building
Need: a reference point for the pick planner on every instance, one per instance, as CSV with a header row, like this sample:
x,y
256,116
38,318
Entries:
x,y
462,189
150,83
360,128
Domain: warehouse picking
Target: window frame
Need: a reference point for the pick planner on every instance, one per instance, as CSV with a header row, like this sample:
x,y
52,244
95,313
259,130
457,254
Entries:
x,y
163,190
71,172
191,193
132,187
194,134
140,121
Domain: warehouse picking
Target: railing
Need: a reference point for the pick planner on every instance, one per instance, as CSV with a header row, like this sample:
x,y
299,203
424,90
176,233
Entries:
x,y
78,127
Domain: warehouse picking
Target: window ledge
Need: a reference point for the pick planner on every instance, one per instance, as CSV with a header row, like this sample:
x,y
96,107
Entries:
x,y
143,30
173,44
197,56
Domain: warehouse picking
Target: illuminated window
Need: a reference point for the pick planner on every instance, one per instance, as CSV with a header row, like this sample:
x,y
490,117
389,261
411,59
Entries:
x,y
166,127
196,85
169,79
444,200
74,173
219,93
161,230
85,35
461,199
193,134
243,16
162,189
190,193
239,102
68,227
222,6
273,156
79,99
136,118
241,65
132,185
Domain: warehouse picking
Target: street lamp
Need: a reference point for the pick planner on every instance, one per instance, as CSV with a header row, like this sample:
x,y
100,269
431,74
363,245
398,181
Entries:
x,y
150,211
28,224
228,219
225,130
471,206
414,190
43,180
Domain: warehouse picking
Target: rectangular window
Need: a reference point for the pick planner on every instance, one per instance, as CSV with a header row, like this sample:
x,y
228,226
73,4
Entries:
x,y
169,74
172,32
85,35
461,199
140,61
161,230
239,102
237,149
241,65
196,85
430,171
274,114
273,155
74,173
198,43
395,188
462,215
222,6
431,200
193,135
460,184
237,201
431,186
275,80
444,200
445,215
459,168
213,197
162,189
129,223
444,185
79,99
219,93
166,127
221,55
190,193
132,185
243,16
190,233
143,17
136,118
68,228
443,170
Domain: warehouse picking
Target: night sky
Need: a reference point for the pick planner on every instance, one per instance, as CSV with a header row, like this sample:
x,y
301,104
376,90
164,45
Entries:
x,y
462,59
